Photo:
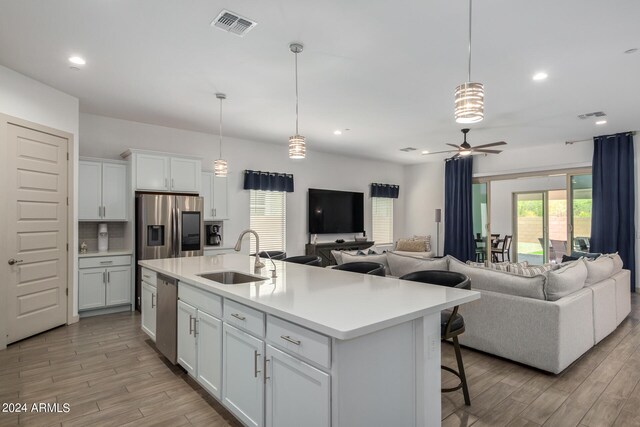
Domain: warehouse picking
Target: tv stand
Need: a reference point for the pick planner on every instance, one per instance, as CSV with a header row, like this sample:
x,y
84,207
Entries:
x,y
323,250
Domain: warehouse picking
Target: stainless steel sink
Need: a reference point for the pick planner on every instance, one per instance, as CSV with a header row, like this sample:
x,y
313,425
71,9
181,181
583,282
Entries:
x,y
231,277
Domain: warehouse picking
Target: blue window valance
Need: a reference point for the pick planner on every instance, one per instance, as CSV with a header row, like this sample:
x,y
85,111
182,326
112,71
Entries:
x,y
389,191
268,181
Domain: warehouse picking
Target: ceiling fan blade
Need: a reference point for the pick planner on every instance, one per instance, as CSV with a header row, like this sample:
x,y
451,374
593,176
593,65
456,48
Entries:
x,y
456,146
475,150
439,152
493,144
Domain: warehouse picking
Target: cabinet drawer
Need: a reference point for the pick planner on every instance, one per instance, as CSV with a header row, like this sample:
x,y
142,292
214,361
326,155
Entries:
x,y
244,317
205,301
149,276
299,341
107,261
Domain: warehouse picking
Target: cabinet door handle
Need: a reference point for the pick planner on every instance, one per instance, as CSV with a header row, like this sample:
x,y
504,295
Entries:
x,y
265,370
108,277
153,302
289,339
166,183
99,211
104,211
195,327
106,262
237,316
104,277
173,183
146,276
214,212
255,363
191,319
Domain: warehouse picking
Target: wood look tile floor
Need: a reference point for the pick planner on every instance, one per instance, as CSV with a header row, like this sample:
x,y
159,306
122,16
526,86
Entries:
x,y
110,374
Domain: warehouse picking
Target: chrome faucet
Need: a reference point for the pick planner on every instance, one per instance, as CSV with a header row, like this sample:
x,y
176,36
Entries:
x,y
258,263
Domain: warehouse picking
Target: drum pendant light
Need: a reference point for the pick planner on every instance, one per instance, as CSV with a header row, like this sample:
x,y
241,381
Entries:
x,y
220,165
297,146
469,96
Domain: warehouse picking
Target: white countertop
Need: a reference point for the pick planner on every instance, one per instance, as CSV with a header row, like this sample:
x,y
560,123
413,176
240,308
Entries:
x,y
114,252
340,304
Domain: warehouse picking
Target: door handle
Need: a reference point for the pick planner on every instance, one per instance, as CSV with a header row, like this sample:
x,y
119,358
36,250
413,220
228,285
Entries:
x,y
108,277
191,328
14,261
266,360
214,212
153,302
255,363
104,277
104,211
237,316
195,327
289,339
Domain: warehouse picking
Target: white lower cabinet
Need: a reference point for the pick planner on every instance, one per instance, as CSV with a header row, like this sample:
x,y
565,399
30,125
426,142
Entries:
x,y
243,381
209,353
186,337
92,288
149,300
104,282
200,347
118,285
296,393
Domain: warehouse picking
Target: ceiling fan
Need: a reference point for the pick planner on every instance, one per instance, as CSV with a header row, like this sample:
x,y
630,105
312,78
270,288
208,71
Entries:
x,y
465,149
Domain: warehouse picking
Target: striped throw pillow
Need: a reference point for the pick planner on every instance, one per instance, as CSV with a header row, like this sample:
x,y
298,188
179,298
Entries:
x,y
530,271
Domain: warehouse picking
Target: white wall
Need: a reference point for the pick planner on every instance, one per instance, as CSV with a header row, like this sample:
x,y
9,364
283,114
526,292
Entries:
x,y
28,99
106,138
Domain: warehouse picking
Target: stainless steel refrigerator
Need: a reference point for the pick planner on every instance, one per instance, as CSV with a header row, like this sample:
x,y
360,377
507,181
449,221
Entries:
x,y
167,226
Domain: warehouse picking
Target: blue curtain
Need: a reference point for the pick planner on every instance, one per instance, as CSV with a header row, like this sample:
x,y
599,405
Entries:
x,y
268,181
458,218
388,191
613,211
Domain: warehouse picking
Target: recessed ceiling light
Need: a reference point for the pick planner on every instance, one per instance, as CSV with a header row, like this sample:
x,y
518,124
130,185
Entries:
x,y
634,50
77,60
540,76
337,132
425,151
601,122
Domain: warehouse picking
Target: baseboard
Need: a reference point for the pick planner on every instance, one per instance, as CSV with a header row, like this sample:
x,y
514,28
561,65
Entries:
x,y
101,311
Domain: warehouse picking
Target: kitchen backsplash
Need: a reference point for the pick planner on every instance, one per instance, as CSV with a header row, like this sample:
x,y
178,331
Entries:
x,y
88,232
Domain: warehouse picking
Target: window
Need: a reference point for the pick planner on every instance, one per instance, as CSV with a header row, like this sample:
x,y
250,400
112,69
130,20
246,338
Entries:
x,y
268,218
382,219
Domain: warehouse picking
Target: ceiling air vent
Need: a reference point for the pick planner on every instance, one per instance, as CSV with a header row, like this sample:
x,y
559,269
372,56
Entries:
x,y
233,23
407,149
594,114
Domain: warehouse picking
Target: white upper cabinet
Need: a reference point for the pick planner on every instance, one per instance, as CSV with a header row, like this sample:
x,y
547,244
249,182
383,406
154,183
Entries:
x,y
214,192
152,172
102,191
185,174
164,172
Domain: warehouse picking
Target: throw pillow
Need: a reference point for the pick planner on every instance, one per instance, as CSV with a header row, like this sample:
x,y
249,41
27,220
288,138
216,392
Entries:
x,y
618,265
566,280
426,239
337,255
598,269
410,245
529,271
501,281
475,264
380,259
399,265
505,266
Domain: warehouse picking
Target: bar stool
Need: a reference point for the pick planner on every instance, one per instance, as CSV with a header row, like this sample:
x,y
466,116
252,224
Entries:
x,y
451,323
305,259
364,267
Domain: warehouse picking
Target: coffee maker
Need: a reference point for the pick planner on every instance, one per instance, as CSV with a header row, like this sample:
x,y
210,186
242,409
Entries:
x,y
213,235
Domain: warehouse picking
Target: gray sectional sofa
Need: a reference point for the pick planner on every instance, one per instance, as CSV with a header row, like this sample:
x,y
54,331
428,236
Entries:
x,y
547,320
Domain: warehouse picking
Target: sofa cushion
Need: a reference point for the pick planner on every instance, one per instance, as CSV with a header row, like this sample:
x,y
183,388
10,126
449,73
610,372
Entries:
x,y
500,266
380,259
598,269
415,254
399,265
530,270
499,281
565,280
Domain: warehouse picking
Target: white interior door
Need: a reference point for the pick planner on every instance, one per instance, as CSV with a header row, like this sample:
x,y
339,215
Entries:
x,y
36,197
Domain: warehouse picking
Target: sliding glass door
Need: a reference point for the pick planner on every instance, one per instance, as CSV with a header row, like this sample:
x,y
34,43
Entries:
x,y
580,203
480,203
529,227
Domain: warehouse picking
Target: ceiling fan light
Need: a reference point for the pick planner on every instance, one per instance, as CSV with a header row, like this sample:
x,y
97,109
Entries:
x,y
220,168
297,147
469,102
465,152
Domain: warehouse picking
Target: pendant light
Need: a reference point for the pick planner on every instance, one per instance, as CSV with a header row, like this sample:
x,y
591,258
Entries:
x,y
220,165
297,146
469,95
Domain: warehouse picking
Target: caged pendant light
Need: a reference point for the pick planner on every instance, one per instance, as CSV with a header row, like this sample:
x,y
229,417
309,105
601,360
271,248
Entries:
x,y
470,95
220,165
297,146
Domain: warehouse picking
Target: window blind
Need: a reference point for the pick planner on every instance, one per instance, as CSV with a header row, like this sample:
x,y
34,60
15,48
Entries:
x,y
382,218
268,218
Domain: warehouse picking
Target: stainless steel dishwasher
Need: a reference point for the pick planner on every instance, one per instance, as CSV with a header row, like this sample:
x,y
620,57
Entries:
x,y
167,317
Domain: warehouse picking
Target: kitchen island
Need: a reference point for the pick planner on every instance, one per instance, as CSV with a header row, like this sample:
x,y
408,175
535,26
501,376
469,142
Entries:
x,y
314,346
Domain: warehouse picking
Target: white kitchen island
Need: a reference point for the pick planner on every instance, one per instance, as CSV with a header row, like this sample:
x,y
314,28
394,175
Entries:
x,y
313,347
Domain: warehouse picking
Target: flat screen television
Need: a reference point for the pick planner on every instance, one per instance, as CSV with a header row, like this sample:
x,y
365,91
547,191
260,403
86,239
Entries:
x,y
335,212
